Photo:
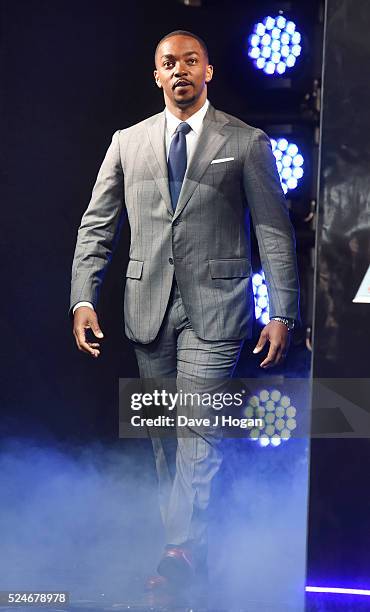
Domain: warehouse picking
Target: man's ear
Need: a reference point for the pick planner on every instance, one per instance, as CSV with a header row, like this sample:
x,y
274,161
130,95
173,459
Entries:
x,y
157,80
209,73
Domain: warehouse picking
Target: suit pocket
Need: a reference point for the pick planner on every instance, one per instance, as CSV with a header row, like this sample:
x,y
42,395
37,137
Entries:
x,y
134,269
227,168
229,268
222,160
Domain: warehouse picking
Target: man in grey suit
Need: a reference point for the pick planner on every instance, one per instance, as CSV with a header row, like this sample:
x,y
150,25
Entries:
x,y
188,179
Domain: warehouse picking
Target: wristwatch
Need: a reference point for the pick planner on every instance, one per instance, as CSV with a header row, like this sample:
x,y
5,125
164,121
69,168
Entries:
x,y
290,323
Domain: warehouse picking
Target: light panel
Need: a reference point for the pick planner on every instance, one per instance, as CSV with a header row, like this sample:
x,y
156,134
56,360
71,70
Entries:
x,y
261,303
289,161
277,413
275,45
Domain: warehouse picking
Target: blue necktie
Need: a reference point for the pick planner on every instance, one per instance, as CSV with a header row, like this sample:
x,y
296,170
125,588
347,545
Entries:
x,y
177,160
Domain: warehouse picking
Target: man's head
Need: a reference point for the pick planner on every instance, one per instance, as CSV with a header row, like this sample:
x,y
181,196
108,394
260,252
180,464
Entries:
x,y
182,70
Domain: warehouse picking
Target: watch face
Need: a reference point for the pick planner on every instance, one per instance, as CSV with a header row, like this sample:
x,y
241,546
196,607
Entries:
x,y
289,323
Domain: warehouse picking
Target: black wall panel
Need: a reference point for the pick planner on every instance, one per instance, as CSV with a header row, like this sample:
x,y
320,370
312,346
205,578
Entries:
x,y
339,530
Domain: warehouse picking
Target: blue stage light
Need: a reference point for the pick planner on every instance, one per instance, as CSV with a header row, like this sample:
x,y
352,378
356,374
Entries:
x,y
269,68
255,52
261,303
278,415
255,40
266,52
290,27
278,39
269,23
289,162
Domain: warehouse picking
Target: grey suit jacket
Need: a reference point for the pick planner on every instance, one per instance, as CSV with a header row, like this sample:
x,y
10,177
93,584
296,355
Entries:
x,y
205,243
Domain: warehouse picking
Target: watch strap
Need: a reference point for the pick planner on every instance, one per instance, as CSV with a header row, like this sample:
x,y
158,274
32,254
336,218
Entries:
x,y
288,322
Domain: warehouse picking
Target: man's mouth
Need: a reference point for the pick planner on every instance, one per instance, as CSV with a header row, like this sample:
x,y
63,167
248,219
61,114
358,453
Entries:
x,y
181,83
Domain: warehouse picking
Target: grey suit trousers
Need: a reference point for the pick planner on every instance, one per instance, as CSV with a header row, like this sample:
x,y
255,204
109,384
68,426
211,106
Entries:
x,y
196,365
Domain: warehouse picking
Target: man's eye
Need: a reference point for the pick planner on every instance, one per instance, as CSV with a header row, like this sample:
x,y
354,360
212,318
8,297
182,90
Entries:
x,y
193,60
167,64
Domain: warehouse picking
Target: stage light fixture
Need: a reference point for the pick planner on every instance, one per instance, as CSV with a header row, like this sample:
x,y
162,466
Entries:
x,y
289,161
275,45
278,414
261,301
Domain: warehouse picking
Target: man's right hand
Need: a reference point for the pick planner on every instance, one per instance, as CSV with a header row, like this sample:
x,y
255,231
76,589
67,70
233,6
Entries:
x,y
86,318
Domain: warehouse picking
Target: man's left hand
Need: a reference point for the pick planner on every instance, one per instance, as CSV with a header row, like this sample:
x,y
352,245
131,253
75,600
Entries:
x,y
278,335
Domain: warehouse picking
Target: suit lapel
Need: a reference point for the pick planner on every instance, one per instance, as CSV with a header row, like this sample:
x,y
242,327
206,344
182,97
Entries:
x,y
210,141
155,154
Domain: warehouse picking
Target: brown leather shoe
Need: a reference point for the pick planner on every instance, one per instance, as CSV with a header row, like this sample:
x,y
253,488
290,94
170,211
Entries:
x,y
159,592
177,566
185,569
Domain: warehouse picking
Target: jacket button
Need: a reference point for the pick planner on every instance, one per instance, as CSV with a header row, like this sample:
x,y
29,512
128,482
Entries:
x,y
170,261
176,222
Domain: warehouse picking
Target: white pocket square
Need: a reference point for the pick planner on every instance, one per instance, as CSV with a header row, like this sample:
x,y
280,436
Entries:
x,y
222,159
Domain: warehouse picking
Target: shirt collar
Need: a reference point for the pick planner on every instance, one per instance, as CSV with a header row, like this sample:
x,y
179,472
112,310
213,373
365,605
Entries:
x,y
195,121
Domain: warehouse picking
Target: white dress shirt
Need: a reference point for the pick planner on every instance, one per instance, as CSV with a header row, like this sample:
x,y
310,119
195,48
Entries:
x,y
196,123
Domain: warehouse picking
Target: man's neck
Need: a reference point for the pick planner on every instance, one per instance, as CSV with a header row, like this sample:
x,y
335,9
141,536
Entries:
x,y
184,113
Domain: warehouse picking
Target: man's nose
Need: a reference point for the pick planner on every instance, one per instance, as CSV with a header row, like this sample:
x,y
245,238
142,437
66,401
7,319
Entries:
x,y
180,69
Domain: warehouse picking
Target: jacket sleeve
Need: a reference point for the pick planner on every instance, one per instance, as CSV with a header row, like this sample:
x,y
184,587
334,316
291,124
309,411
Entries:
x,y
99,229
273,228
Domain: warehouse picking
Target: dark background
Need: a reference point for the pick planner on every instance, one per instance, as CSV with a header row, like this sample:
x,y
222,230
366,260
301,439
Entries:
x,y
73,73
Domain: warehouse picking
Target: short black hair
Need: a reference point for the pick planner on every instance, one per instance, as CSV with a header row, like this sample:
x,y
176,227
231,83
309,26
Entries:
x,y
184,33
